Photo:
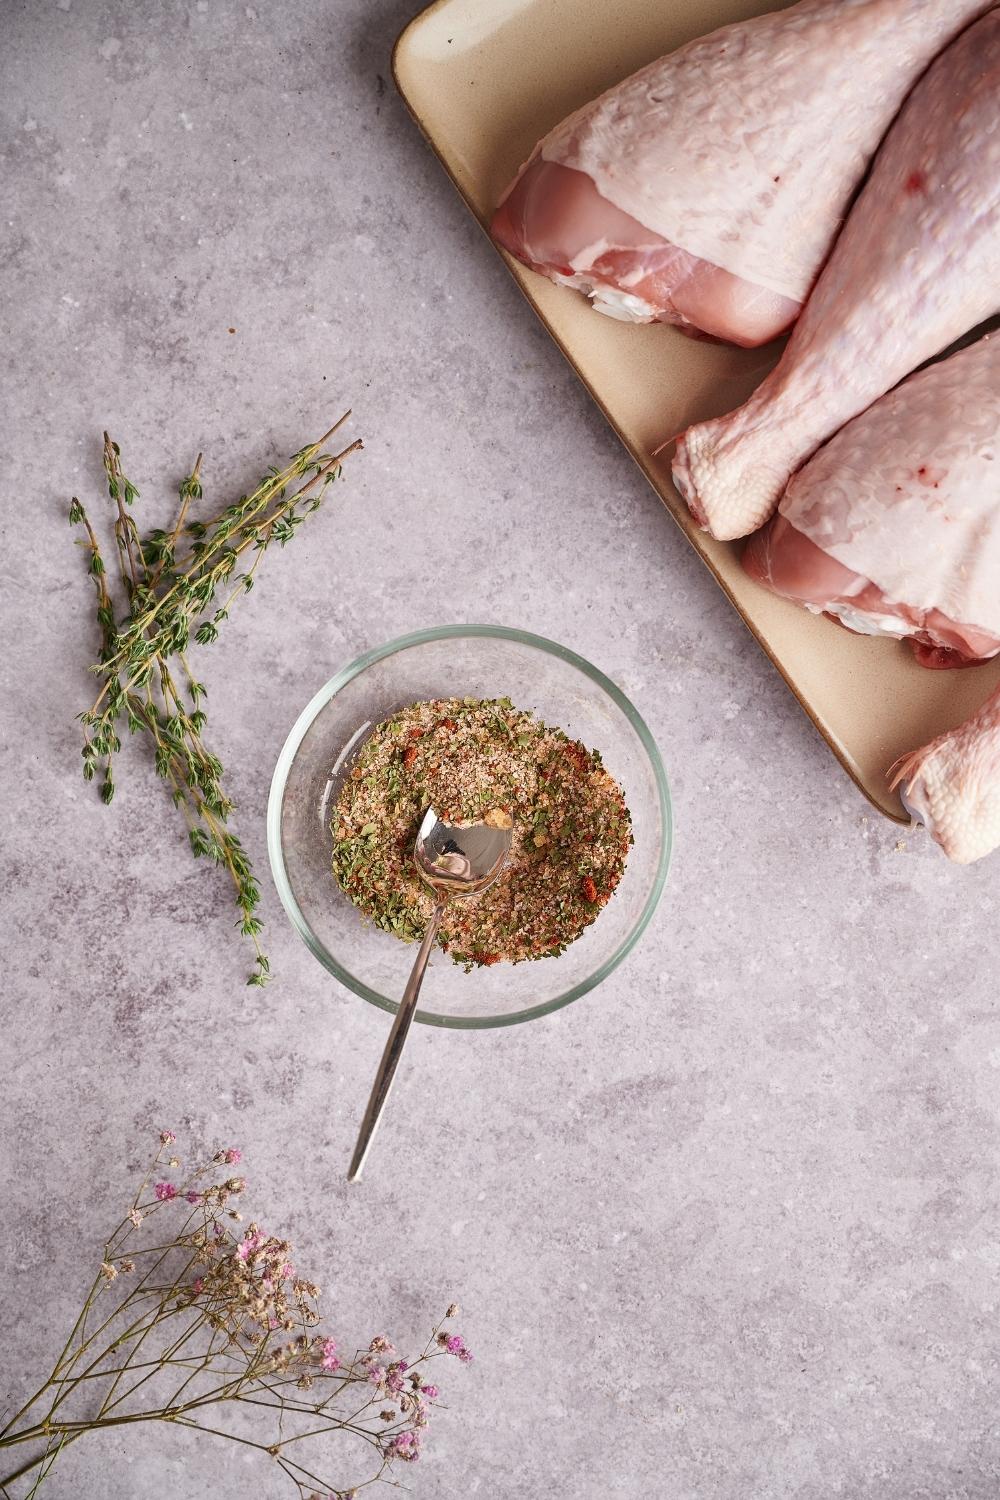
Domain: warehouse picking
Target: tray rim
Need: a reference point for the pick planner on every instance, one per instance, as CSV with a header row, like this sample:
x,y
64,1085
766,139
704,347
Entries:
x,y
639,459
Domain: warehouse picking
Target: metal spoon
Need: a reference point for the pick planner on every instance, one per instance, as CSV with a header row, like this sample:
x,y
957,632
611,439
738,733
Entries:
x,y
455,861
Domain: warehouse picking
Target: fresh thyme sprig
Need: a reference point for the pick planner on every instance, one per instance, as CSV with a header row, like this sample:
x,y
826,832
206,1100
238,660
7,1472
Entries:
x,y
170,581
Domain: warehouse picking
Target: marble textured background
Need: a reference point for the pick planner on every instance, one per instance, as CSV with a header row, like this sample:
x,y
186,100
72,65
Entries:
x,y
727,1228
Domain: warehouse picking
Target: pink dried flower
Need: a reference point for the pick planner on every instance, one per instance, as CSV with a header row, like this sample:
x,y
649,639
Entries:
x,y
405,1445
252,1240
453,1343
251,1292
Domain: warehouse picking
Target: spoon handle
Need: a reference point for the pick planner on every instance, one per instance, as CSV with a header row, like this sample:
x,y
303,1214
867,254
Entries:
x,y
393,1048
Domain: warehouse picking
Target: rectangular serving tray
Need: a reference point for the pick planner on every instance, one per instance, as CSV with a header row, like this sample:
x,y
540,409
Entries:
x,y
484,79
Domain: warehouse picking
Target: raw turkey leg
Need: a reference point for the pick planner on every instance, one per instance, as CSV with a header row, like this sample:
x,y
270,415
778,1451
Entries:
x,y
917,264
953,785
556,222
706,189
893,527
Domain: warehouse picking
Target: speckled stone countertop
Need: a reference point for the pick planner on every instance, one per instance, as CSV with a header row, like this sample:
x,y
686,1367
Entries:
x,y
727,1229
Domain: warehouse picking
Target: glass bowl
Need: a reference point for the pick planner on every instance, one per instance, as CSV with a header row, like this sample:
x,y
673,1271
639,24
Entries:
x,y
459,661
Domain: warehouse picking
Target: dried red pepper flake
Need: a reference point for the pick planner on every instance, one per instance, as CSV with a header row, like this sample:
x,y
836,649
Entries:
x,y
416,734
409,756
589,888
448,724
578,755
486,958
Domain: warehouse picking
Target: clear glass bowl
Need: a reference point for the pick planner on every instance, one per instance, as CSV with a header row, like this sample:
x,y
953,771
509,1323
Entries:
x,y
477,661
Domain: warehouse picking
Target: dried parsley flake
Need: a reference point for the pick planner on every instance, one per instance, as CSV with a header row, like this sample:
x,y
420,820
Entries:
x,y
464,757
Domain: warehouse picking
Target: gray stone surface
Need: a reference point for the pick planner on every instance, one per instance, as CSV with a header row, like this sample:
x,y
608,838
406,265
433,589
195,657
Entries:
x,y
726,1229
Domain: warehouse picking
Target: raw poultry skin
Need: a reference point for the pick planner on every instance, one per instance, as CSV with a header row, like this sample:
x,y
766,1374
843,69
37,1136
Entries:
x,y
952,785
706,189
894,526
916,266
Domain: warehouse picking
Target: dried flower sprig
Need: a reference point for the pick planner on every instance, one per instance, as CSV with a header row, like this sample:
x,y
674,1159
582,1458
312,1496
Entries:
x,y
171,581
194,1321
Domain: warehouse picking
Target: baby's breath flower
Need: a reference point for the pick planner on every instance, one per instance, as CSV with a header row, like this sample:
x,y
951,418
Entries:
x,y
453,1310
167,1138
254,1316
405,1445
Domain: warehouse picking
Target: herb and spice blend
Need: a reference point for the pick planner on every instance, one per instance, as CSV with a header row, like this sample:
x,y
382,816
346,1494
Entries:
x,y
466,758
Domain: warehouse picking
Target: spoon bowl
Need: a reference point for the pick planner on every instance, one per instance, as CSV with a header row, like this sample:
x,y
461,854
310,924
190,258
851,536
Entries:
x,y
462,859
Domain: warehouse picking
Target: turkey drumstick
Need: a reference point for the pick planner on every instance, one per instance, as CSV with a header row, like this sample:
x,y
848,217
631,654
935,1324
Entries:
x,y
893,527
952,785
706,189
916,266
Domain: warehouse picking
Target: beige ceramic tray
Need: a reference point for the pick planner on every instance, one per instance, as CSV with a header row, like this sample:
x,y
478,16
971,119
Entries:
x,y
484,79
